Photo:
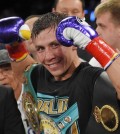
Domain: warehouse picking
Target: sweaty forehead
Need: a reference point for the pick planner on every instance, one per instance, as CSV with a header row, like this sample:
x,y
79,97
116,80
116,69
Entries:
x,y
45,37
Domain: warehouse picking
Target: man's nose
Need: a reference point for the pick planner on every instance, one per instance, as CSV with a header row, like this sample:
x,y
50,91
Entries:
x,y
2,76
97,29
70,14
49,54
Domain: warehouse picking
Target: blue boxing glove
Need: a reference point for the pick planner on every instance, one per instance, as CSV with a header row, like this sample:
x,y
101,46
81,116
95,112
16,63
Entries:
x,y
75,31
13,29
13,32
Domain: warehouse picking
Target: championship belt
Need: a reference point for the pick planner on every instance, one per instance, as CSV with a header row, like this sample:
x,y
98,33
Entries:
x,y
29,101
39,121
58,125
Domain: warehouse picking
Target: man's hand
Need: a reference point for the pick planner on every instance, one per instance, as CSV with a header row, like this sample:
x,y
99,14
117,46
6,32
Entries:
x,y
13,29
12,33
75,31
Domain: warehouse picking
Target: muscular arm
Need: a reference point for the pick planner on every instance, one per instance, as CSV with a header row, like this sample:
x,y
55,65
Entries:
x,y
19,67
114,73
71,31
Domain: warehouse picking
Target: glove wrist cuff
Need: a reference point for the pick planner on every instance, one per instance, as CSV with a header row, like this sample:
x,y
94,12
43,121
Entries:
x,y
17,51
104,54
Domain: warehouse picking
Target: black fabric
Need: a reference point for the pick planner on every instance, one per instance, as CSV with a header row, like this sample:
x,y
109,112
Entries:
x,y
104,94
79,88
84,54
10,117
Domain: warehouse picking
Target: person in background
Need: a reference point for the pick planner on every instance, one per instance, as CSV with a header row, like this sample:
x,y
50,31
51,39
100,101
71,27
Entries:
x,y
108,25
72,8
9,79
103,1
10,117
65,86
30,47
111,8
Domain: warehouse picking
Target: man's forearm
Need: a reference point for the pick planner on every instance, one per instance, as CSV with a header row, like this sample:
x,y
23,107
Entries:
x,y
114,73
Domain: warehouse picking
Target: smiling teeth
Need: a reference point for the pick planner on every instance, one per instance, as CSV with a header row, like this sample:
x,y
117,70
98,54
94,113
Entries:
x,y
53,65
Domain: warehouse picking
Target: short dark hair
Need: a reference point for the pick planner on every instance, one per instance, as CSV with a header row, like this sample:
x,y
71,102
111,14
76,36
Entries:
x,y
51,19
56,2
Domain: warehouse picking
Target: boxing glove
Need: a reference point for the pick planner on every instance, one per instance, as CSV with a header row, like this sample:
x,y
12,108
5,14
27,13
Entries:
x,y
75,31
13,32
13,29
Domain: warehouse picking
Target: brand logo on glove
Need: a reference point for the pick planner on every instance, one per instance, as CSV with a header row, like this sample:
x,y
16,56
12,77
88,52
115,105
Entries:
x,y
82,22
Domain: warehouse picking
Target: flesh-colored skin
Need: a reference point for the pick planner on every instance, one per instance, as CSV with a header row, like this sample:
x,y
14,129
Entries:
x,y
59,60
29,44
8,79
108,30
114,73
70,7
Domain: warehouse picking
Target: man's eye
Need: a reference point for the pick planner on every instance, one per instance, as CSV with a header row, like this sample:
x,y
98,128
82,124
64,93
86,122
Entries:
x,y
75,11
40,49
55,45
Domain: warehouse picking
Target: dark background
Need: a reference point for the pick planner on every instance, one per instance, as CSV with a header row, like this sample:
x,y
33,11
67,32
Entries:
x,y
24,8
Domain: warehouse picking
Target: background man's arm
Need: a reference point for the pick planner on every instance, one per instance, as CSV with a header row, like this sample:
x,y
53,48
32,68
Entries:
x,y
113,72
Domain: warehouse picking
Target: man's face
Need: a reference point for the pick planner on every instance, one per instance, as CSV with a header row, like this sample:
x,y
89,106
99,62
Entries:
x,y
70,7
6,75
103,1
108,30
57,59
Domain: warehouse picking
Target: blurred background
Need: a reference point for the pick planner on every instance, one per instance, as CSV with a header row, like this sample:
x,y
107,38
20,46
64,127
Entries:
x,y
25,8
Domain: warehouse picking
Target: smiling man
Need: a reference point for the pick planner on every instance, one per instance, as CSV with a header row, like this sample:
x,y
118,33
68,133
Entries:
x,y
63,87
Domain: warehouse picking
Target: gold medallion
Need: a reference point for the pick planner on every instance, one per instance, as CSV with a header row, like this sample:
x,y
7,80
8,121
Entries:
x,y
30,109
107,116
48,125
